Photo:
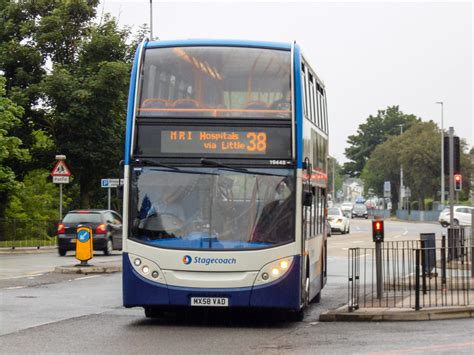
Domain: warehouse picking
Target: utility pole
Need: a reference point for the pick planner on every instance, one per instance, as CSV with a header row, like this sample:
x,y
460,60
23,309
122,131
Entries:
x,y
442,154
451,175
151,20
400,197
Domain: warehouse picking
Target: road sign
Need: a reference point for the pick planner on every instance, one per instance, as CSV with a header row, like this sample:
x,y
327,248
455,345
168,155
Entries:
x,y
386,189
110,183
61,179
61,169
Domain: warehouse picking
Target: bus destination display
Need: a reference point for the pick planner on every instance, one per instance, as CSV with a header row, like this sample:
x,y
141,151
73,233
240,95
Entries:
x,y
214,142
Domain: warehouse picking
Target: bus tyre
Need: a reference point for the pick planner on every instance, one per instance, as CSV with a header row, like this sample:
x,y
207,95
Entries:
x,y
108,248
62,252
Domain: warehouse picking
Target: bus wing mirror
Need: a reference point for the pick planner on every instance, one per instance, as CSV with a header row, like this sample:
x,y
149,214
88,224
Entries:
x,y
307,198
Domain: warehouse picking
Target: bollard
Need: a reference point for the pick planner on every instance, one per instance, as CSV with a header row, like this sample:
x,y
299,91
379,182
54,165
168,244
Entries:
x,y
417,281
472,242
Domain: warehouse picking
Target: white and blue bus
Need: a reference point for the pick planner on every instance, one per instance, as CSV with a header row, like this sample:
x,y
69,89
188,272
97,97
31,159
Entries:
x,y
225,179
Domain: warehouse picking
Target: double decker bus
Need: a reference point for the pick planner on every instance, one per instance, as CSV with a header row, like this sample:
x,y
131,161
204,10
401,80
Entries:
x,y
225,177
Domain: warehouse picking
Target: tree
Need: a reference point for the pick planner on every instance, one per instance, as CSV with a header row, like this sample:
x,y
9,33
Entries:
x,y
337,175
417,150
10,146
88,105
376,130
34,206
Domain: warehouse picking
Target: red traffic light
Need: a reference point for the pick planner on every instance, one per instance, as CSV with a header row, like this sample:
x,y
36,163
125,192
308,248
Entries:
x,y
378,226
457,182
377,231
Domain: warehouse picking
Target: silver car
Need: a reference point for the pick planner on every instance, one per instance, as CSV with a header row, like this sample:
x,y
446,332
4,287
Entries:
x,y
338,221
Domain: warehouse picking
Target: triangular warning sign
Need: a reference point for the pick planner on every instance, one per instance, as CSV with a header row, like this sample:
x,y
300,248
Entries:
x,y
61,169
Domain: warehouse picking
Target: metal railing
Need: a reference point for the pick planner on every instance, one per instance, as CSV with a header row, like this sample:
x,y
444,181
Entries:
x,y
15,233
415,274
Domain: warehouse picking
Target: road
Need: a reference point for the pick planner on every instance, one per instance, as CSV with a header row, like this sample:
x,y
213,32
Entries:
x,y
53,313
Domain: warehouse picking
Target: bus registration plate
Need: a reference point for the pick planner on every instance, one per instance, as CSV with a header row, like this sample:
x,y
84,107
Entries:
x,y
210,301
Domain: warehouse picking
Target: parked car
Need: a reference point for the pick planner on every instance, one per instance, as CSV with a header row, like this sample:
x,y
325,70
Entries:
x,y
106,228
338,221
462,216
346,208
360,210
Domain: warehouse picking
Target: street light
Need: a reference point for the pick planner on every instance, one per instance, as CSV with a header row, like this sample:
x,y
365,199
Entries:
x,y
442,153
400,197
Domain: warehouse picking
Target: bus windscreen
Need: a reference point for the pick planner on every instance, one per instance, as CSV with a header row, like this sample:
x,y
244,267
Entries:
x,y
233,82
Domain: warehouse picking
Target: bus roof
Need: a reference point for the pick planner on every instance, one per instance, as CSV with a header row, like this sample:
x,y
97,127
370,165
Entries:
x,y
219,42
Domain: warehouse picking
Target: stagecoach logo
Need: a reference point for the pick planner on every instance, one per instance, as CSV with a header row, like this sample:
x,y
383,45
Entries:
x,y
187,259
207,261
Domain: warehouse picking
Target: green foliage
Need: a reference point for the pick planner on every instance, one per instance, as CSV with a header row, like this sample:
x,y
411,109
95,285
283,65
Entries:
x,y
421,159
88,101
10,146
382,166
34,206
36,198
339,178
375,131
418,152
428,204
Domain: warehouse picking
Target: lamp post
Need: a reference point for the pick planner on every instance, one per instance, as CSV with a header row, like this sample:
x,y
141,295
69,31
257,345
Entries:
x,y
400,197
151,20
442,153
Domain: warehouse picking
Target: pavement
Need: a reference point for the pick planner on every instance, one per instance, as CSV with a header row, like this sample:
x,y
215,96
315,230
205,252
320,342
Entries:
x,y
396,314
92,268
28,250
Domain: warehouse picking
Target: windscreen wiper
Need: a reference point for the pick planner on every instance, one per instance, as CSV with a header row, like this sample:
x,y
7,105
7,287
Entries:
x,y
210,162
153,162
216,164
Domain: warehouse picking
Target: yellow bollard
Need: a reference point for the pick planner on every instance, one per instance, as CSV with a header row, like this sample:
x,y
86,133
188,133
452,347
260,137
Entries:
x,y
84,248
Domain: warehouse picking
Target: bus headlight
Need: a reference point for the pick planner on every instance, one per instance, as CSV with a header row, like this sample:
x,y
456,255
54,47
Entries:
x,y
147,269
274,270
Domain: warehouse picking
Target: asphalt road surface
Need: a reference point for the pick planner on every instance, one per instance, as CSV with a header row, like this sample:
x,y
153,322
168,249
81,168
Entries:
x,y
52,313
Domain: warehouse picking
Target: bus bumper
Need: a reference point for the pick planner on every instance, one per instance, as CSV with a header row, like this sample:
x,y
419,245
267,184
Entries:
x,y
283,293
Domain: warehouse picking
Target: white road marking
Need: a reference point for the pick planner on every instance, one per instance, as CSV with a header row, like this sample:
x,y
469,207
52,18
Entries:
x,y
405,232
86,277
14,287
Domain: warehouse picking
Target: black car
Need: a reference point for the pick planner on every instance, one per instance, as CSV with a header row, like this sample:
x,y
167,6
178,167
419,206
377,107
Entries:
x,y
106,228
360,210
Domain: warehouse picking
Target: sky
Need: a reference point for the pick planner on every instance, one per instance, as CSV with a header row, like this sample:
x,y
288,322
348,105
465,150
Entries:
x,y
370,55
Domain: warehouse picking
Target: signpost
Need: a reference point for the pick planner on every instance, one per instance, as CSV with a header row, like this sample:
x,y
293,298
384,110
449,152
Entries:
x,y
378,238
61,174
109,184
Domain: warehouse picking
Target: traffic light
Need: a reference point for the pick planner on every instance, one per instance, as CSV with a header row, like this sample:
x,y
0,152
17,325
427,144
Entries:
x,y
457,182
377,231
456,155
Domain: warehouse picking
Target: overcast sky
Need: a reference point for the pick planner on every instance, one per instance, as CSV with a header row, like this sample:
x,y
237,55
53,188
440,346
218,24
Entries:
x,y
370,54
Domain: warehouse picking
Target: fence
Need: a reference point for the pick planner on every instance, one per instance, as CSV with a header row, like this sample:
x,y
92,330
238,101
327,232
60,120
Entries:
x,y
27,233
415,274
422,216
